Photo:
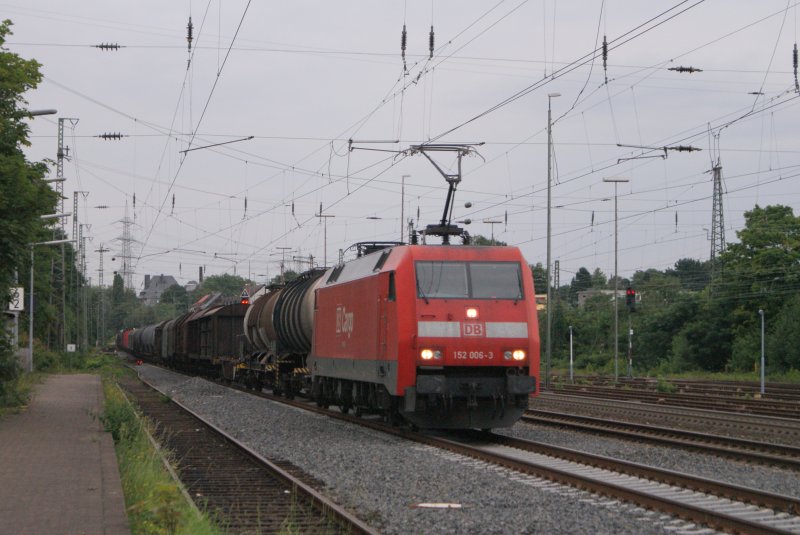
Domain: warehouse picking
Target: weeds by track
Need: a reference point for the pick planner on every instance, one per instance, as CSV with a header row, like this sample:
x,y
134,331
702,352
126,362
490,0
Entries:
x,y
246,493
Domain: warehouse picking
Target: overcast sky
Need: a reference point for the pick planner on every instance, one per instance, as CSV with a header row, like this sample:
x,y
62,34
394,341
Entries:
x,y
304,77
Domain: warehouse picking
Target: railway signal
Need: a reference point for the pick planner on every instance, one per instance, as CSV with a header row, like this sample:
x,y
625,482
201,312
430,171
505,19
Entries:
x,y
630,299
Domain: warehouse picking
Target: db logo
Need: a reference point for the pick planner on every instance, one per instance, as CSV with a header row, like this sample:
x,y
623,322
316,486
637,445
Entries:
x,y
473,329
344,321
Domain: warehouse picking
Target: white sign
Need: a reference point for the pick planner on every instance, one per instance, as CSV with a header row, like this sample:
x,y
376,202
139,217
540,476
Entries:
x,y
17,302
70,348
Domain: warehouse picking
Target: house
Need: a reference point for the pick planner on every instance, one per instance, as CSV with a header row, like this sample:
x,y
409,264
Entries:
x,y
154,287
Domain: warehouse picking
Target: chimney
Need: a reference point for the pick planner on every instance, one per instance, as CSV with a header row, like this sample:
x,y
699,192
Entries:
x,y
146,281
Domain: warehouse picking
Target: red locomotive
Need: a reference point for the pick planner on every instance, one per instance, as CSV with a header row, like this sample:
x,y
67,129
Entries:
x,y
442,336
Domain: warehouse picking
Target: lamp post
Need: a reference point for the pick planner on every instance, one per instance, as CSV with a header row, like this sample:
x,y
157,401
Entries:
x,y
761,313
29,359
549,343
616,180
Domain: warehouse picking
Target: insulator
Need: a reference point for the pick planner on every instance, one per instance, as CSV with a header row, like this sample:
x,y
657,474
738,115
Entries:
x,y
189,28
794,62
430,43
292,207
134,200
605,58
605,51
107,46
403,40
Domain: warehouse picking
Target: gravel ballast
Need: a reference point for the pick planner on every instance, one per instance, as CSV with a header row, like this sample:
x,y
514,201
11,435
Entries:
x,y
383,478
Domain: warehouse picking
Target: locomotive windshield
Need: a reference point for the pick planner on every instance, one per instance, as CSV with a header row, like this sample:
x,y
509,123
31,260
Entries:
x,y
462,280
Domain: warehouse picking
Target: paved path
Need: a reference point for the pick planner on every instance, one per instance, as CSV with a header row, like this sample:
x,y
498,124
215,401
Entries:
x,y
58,471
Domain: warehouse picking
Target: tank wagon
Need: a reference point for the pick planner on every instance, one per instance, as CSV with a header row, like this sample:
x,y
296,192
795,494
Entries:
x,y
438,336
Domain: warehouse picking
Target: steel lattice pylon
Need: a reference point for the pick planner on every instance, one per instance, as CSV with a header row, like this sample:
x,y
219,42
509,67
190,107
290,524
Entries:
x,y
717,218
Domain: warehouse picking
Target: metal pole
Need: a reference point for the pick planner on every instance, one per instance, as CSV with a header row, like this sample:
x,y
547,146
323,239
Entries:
x,y
571,377
549,342
402,205
29,359
761,313
616,279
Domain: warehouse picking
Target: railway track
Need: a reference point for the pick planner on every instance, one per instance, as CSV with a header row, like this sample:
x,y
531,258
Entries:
x,y
711,503
705,502
787,392
245,492
736,448
757,427
719,505
767,407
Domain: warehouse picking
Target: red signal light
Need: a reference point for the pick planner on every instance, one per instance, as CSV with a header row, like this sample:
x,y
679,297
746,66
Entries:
x,y
630,298
244,301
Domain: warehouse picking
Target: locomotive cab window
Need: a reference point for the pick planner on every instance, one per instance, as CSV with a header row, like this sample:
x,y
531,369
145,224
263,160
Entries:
x,y
462,280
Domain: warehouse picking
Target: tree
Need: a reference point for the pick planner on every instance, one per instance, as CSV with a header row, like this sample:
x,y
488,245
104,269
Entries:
x,y
24,195
599,279
177,297
227,285
539,278
582,281
484,241
693,274
288,276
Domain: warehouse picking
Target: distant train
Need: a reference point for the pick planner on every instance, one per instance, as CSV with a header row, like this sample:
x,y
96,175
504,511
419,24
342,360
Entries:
x,y
439,336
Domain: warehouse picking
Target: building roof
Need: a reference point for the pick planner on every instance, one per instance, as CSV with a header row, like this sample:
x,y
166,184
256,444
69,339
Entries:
x,y
154,286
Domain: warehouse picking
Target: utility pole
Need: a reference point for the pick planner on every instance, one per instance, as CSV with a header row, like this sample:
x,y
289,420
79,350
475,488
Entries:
x,y
402,204
324,218
616,181
57,267
283,261
102,312
549,345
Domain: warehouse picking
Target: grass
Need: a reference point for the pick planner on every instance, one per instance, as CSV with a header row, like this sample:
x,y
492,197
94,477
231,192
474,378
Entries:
x,y
154,501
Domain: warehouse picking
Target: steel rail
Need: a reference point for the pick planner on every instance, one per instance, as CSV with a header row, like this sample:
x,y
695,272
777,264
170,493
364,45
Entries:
x,y
762,452
321,503
695,513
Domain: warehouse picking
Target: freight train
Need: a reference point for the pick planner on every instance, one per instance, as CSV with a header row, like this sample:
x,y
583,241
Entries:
x,y
437,336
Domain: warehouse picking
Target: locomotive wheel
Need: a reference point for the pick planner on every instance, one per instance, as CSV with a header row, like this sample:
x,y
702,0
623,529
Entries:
x,y
344,408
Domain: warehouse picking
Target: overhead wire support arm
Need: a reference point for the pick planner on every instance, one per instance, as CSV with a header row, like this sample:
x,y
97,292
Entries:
x,y
217,144
676,148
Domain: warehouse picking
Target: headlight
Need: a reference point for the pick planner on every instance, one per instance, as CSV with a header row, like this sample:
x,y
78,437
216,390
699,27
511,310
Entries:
x,y
507,355
472,313
429,354
519,354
